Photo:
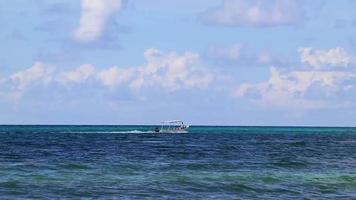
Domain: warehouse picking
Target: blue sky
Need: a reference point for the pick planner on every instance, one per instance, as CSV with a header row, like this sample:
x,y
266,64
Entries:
x,y
217,62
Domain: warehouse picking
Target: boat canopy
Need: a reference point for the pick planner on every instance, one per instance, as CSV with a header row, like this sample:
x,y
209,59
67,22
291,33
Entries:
x,y
172,122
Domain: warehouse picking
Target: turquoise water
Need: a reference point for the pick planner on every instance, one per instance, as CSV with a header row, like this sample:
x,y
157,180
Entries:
x,y
131,162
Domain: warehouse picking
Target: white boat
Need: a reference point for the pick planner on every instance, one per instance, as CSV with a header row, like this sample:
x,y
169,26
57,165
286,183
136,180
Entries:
x,y
173,126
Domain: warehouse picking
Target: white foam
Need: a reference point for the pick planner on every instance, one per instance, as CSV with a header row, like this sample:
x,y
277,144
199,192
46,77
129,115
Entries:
x,y
133,131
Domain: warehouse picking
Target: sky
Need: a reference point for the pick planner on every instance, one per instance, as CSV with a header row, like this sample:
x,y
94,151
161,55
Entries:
x,y
207,62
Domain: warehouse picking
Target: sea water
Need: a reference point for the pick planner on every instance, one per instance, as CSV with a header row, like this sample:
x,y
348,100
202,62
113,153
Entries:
x,y
132,162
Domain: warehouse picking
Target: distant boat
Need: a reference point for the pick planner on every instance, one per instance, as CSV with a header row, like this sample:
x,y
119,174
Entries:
x,y
172,126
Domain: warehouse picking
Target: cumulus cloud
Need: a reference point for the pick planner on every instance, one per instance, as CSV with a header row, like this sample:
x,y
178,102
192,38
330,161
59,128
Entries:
x,y
39,72
292,89
94,18
114,76
13,86
79,75
335,57
312,87
255,13
169,71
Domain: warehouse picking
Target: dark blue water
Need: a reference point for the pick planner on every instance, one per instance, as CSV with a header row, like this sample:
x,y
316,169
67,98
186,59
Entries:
x,y
130,162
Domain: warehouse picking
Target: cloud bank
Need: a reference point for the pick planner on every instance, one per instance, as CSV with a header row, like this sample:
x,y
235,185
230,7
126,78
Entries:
x,y
168,71
305,89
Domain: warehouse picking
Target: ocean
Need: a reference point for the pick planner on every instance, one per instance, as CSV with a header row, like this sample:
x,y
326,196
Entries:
x,y
209,162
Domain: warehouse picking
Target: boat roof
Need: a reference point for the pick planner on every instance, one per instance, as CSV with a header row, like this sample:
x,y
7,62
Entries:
x,y
172,121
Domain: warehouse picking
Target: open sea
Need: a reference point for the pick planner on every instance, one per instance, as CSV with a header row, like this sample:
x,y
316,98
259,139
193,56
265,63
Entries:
x,y
209,162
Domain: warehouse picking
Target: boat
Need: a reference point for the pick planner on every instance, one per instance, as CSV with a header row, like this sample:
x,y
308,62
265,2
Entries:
x,y
172,126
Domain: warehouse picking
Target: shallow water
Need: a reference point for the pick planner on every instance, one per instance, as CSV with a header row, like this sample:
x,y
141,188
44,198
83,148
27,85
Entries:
x,y
131,162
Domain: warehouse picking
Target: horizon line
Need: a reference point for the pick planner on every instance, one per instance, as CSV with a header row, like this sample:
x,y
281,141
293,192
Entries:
x,y
206,125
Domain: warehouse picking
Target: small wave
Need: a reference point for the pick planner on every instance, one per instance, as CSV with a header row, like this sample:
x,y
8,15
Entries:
x,y
297,143
347,142
291,164
74,166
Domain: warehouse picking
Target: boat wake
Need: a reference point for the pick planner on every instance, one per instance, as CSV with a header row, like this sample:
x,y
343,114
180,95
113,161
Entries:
x,y
118,132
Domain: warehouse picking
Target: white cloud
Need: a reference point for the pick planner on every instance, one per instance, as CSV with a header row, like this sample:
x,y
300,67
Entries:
x,y
171,71
13,86
255,13
94,18
79,75
336,57
290,89
168,71
114,76
37,73
313,88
